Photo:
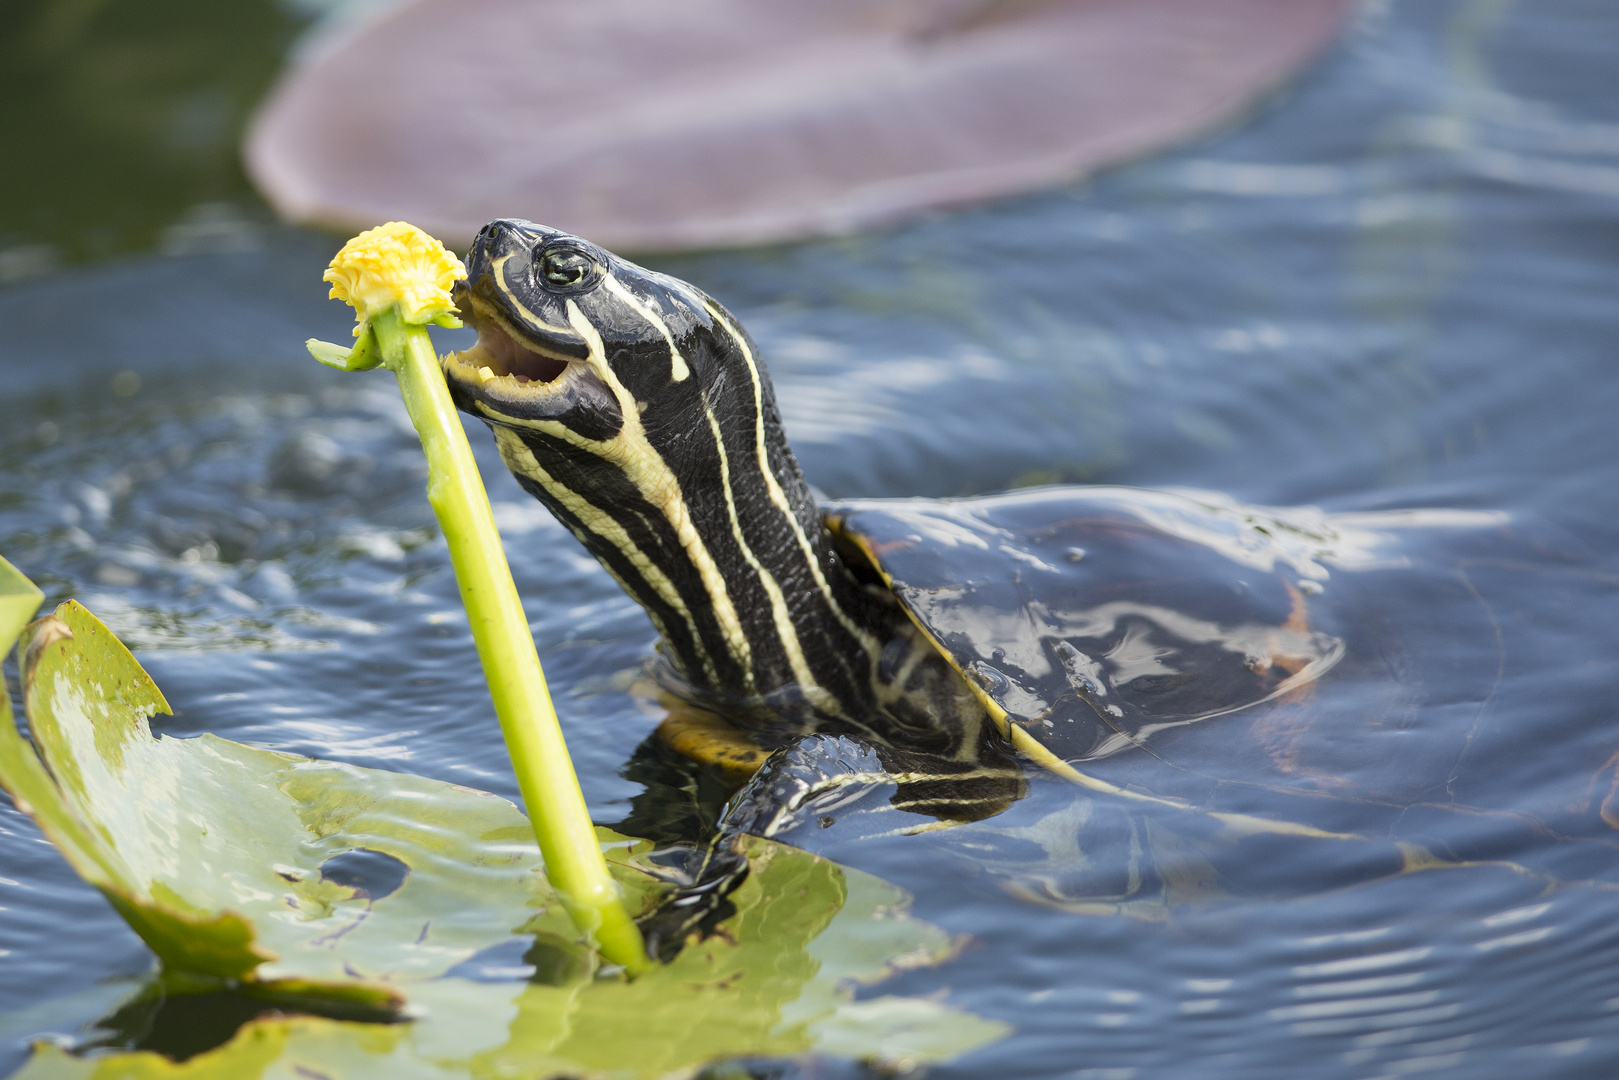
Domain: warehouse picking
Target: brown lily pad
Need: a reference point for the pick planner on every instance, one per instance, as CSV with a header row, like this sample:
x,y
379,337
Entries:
x,y
648,125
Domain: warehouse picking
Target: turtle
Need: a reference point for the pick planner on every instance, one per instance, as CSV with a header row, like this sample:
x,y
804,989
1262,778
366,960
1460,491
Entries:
x,y
878,666
1061,624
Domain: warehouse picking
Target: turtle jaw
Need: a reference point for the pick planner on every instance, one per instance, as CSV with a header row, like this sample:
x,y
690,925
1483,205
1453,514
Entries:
x,y
510,375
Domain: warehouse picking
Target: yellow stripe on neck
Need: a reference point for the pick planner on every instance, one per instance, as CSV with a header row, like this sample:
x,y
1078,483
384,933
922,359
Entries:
x,y
678,371
778,497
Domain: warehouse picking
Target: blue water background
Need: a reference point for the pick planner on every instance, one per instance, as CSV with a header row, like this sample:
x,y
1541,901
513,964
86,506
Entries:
x,y
1395,285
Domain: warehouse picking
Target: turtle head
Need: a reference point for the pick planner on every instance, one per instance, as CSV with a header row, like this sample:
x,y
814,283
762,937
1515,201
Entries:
x,y
572,339
636,409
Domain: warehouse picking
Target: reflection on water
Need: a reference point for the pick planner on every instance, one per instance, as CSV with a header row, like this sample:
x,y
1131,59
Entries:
x,y
1393,289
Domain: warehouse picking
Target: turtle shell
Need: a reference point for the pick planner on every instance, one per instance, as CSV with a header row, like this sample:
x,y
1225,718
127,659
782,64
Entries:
x,y
1095,617
1415,753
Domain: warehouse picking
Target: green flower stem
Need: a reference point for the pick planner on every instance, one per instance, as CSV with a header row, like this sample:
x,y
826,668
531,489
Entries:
x,y
545,774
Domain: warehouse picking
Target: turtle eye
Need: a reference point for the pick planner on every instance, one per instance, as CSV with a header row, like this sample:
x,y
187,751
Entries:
x,y
566,267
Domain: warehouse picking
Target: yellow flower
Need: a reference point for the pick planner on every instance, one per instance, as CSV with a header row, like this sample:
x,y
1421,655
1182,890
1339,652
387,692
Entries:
x,y
392,264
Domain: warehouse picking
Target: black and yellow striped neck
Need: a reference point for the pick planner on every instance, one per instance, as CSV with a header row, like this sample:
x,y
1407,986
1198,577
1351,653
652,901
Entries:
x,y
638,411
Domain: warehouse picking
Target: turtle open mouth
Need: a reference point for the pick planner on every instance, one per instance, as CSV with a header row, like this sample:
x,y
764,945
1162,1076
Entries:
x,y
513,376
510,366
499,355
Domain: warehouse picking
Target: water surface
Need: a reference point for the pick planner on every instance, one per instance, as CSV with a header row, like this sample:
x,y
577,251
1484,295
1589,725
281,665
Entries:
x,y
1395,286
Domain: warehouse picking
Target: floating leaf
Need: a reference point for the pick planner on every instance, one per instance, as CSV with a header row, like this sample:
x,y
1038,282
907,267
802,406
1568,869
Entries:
x,y
19,599
239,863
829,117
319,884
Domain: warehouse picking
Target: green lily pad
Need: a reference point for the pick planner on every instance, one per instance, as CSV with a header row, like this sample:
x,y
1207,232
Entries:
x,y
318,884
19,599
220,855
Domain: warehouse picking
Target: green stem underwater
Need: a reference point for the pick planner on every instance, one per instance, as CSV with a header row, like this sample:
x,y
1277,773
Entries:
x,y
545,773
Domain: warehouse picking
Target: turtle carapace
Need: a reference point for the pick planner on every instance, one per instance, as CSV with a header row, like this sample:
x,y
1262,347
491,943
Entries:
x,y
638,410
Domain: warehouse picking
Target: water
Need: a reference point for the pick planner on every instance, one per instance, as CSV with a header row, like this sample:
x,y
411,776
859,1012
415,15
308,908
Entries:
x,y
1393,286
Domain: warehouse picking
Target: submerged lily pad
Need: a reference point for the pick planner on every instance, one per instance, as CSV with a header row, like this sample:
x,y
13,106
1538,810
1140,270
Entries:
x,y
318,884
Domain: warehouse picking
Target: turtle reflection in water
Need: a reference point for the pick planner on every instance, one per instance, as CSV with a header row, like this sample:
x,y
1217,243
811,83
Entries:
x,y
900,658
